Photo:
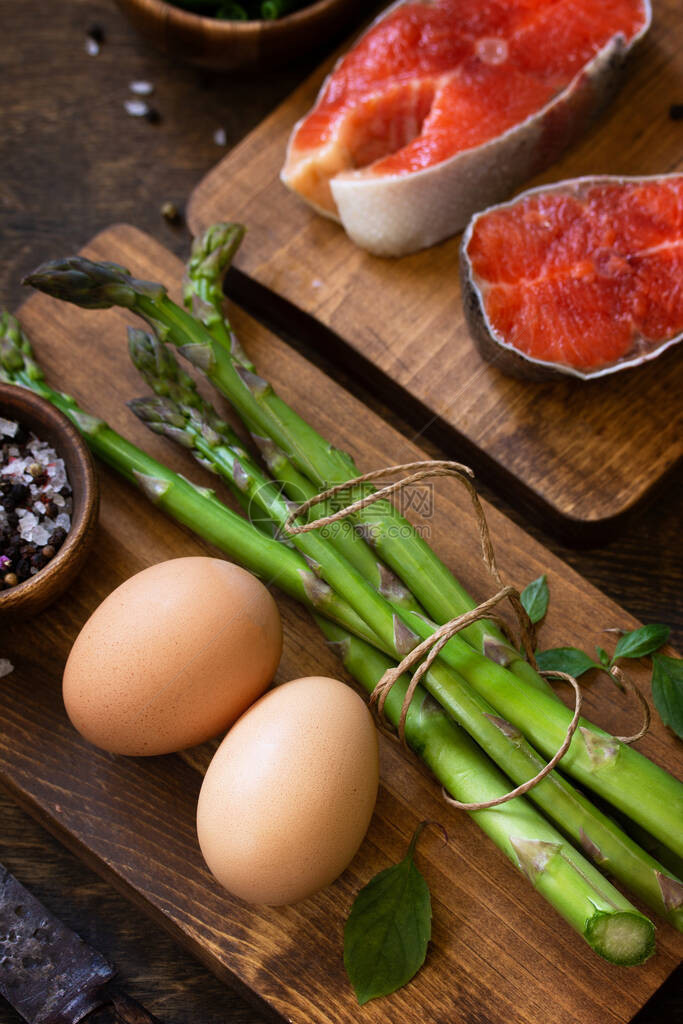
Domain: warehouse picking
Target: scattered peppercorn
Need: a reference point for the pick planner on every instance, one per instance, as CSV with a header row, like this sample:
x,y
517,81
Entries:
x,y
170,212
676,111
153,116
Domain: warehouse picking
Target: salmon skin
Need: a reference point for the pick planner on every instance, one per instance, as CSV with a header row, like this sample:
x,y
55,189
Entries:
x,y
583,277
443,108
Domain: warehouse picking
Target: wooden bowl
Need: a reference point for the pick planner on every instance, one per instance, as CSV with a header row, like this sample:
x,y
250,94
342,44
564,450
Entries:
x,y
50,425
227,45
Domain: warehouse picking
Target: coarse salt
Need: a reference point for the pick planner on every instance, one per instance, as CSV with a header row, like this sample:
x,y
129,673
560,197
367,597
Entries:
x,y
8,428
63,520
141,88
136,108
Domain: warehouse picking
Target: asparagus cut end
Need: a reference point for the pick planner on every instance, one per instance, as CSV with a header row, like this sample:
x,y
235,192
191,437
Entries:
x,y
626,938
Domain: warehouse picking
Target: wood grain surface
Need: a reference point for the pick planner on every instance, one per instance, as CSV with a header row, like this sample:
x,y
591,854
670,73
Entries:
x,y
124,170
494,940
582,455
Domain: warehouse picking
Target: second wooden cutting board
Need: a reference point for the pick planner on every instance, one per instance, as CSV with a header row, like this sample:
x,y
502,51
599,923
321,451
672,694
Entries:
x,y
583,455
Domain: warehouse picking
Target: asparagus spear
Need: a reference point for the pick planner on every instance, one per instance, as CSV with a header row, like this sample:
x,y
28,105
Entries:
x,y
199,431
608,922
648,794
552,865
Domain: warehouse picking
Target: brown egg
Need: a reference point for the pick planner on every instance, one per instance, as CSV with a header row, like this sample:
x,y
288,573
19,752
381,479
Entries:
x,y
172,657
290,792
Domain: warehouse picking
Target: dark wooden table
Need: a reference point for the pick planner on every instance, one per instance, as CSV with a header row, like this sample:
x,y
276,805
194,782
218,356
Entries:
x,y
72,162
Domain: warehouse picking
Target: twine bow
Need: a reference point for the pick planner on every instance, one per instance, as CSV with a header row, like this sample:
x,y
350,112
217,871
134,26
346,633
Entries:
x,y
430,648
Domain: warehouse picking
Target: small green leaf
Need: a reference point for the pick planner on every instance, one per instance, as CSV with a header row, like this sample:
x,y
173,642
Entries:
x,y
640,642
565,659
667,691
603,656
535,599
388,929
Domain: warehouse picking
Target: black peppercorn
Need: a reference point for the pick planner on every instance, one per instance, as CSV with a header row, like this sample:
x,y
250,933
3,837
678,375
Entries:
x,y
58,537
23,568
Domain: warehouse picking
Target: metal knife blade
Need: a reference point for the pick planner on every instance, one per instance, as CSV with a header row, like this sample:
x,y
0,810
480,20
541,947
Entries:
x,y
47,972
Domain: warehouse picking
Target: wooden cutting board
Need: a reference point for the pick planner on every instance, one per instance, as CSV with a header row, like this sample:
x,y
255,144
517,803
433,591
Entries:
x,y
499,954
581,455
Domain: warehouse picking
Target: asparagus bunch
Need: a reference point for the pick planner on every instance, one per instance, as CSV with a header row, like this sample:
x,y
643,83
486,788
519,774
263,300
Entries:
x,y
633,784
183,417
590,904
203,294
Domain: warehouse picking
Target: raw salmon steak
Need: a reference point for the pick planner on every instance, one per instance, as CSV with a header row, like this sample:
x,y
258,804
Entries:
x,y
444,107
583,277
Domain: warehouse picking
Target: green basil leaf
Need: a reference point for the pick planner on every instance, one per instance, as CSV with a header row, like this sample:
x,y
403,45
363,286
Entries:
x,y
565,659
388,930
535,599
642,641
603,656
667,691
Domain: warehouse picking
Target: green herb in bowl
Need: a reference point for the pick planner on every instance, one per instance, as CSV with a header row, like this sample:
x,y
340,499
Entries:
x,y
247,10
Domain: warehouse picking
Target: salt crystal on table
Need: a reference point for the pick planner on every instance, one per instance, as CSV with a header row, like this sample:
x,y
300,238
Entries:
x,y
5,667
220,137
141,88
136,108
8,428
